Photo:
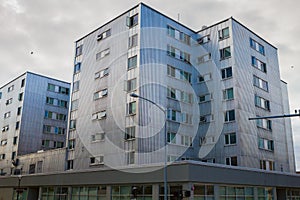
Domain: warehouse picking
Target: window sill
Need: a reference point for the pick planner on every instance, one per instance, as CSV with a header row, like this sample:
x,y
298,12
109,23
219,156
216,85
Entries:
x,y
225,58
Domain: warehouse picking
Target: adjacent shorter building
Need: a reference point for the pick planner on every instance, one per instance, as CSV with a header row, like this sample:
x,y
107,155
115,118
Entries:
x,y
33,117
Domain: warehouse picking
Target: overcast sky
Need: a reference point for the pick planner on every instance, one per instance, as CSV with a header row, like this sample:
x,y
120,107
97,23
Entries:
x,y
49,28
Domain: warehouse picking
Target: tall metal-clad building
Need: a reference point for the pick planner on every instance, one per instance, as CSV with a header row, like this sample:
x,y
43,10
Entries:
x,y
33,117
206,84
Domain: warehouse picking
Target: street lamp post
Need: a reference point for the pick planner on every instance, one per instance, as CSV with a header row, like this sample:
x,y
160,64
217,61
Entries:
x,y
165,141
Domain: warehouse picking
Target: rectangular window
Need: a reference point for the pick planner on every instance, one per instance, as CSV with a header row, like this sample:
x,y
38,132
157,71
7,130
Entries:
x,y
260,83
206,118
57,89
179,116
17,125
171,138
74,105
70,164
204,58
8,101
172,32
75,86
266,144
231,161
78,51
186,140
2,156
262,103
73,124
101,73
258,64
230,138
130,157
5,128
130,133
4,142
19,111
224,33
205,98
20,97
15,140
100,94
132,21
13,155
267,165
102,54
99,115
131,108
132,62
131,85
104,35
133,41
0,95
179,95
71,144
226,73
204,78
228,94
257,46
98,137
23,83
264,123
96,160
179,74
6,115
45,143
177,53
225,53
203,39
10,88
77,68
229,116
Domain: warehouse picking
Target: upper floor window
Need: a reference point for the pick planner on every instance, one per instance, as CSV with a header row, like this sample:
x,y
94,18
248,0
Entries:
x,y
129,133
258,64
230,138
133,41
228,94
0,95
58,89
179,74
226,73
266,144
176,53
56,102
264,123
6,115
74,104
75,86
231,161
100,94
23,83
99,115
102,54
267,165
203,78
101,73
20,97
204,58
257,46
131,85
205,98
8,101
78,51
98,137
11,88
261,102
224,33
178,35
179,95
132,21
131,108
104,35
225,53
77,67
132,62
230,115
203,39
262,84
73,124
178,116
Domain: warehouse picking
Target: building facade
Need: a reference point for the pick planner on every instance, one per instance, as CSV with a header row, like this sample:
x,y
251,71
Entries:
x,y
33,110
206,84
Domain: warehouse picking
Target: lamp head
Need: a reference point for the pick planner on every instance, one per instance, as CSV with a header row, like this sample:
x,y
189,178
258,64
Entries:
x,y
134,95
